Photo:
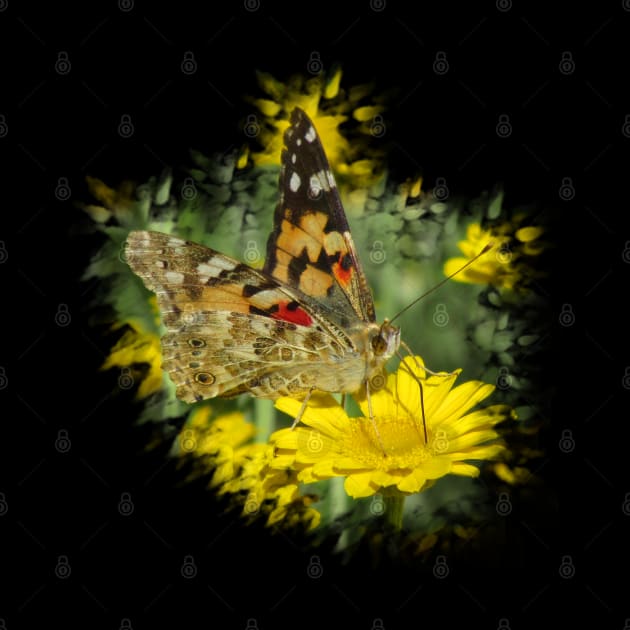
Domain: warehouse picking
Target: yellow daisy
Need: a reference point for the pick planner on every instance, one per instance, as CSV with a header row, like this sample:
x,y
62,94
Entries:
x,y
138,345
220,439
331,444
504,265
240,468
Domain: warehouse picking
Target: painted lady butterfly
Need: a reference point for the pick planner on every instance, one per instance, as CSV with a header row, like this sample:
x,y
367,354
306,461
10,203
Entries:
x,y
305,322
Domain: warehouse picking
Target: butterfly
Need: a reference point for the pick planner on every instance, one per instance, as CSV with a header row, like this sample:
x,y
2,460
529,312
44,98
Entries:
x,y
305,322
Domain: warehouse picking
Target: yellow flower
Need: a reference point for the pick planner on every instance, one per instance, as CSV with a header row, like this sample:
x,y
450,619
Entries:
x,y
514,476
116,203
328,107
240,468
138,345
505,264
221,439
332,444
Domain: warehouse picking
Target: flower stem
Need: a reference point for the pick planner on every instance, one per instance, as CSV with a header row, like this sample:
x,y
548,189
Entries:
x,y
394,507
264,419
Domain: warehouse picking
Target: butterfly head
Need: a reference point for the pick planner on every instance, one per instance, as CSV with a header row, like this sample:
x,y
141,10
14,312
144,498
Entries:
x,y
386,341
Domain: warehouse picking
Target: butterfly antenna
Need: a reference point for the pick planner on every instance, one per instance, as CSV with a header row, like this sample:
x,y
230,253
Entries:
x,y
487,248
424,419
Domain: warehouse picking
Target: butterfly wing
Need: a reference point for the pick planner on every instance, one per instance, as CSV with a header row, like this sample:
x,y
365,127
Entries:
x,y
230,328
310,247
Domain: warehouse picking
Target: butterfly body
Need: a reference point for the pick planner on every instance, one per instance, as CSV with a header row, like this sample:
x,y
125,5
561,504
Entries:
x,y
304,322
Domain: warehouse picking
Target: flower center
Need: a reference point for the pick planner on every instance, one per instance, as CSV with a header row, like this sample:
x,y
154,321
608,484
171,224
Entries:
x,y
401,437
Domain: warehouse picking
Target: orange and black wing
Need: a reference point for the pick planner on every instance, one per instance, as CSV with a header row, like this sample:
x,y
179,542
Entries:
x,y
310,247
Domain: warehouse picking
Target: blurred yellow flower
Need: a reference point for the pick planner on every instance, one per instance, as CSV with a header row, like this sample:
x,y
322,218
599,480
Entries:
x,y
222,439
138,346
328,106
117,203
505,264
512,475
331,444
240,468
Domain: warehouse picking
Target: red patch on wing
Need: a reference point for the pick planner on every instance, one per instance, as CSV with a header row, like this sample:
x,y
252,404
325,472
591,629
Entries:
x,y
291,312
343,269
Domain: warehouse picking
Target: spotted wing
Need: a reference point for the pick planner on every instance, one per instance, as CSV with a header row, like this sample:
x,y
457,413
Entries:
x,y
311,247
230,328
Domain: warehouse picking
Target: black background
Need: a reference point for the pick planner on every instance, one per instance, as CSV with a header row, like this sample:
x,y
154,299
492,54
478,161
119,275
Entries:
x,y
503,59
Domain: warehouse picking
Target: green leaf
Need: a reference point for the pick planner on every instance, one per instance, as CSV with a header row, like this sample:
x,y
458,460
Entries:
x,y
502,341
438,207
202,161
413,213
503,320
197,175
495,205
483,334
527,340
494,297
526,412
163,188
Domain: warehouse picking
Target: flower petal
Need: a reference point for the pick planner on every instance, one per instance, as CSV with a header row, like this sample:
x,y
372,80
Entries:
x,y
383,400
313,447
360,485
413,482
435,393
466,470
320,424
325,469
290,406
320,408
529,233
342,463
281,461
307,476
462,398
436,467
482,418
473,438
284,438
407,387
491,451
384,478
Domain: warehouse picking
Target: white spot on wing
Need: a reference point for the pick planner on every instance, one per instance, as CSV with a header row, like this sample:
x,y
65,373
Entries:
x,y
204,269
331,179
139,242
220,263
213,267
299,142
309,136
174,277
266,299
322,180
295,182
315,186
293,158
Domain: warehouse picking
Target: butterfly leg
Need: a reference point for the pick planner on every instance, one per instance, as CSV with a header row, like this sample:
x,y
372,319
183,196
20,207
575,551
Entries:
x,y
302,408
432,373
423,367
376,431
